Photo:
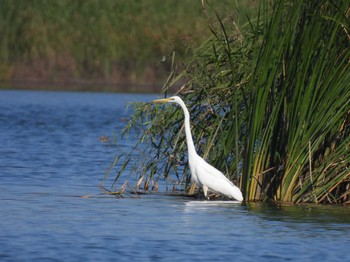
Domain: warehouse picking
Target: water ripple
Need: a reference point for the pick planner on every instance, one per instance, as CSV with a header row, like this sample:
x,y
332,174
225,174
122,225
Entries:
x,y
50,155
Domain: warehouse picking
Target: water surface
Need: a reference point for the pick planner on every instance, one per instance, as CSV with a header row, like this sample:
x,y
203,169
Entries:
x,y
50,156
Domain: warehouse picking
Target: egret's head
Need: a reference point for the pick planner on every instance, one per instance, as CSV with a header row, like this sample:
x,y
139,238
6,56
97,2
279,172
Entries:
x,y
173,99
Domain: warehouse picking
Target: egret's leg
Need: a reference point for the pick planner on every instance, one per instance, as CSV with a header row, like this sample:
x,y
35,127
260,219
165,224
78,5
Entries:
x,y
205,190
192,189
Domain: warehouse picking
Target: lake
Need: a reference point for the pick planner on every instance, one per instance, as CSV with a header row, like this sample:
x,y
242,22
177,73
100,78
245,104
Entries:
x,y
50,157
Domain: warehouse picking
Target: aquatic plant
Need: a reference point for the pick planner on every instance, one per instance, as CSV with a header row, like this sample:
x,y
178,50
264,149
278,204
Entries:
x,y
270,106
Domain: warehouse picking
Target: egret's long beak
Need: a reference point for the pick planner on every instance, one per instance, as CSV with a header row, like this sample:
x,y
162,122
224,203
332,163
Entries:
x,y
164,100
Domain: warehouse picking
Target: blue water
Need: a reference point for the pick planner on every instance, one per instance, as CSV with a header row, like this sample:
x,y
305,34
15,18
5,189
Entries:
x,y
50,156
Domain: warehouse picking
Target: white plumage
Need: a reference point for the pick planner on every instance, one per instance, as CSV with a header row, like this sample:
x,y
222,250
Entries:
x,y
202,173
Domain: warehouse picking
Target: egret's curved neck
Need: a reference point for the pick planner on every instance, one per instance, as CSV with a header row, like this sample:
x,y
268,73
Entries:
x,y
189,140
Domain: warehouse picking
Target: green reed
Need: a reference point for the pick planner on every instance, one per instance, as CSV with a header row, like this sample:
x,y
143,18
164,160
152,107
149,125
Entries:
x,y
269,103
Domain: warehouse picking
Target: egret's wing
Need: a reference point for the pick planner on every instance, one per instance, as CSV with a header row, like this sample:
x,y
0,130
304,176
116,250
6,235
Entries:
x,y
208,172
215,180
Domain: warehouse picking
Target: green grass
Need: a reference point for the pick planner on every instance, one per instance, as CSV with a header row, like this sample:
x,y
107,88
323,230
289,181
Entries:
x,y
87,39
269,103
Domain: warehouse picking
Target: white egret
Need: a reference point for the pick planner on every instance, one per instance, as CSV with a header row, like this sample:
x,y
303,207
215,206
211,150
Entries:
x,y
203,174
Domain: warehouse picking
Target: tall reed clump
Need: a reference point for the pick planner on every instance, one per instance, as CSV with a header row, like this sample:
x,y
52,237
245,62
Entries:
x,y
270,106
297,136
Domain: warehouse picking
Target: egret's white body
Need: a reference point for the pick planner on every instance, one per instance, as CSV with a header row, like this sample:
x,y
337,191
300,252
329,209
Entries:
x,y
203,174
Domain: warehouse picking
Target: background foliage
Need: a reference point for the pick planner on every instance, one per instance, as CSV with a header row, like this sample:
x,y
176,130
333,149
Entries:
x,y
125,41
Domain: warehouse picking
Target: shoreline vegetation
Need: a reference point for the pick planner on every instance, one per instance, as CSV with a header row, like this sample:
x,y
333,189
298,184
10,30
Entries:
x,y
266,83
269,103
100,45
